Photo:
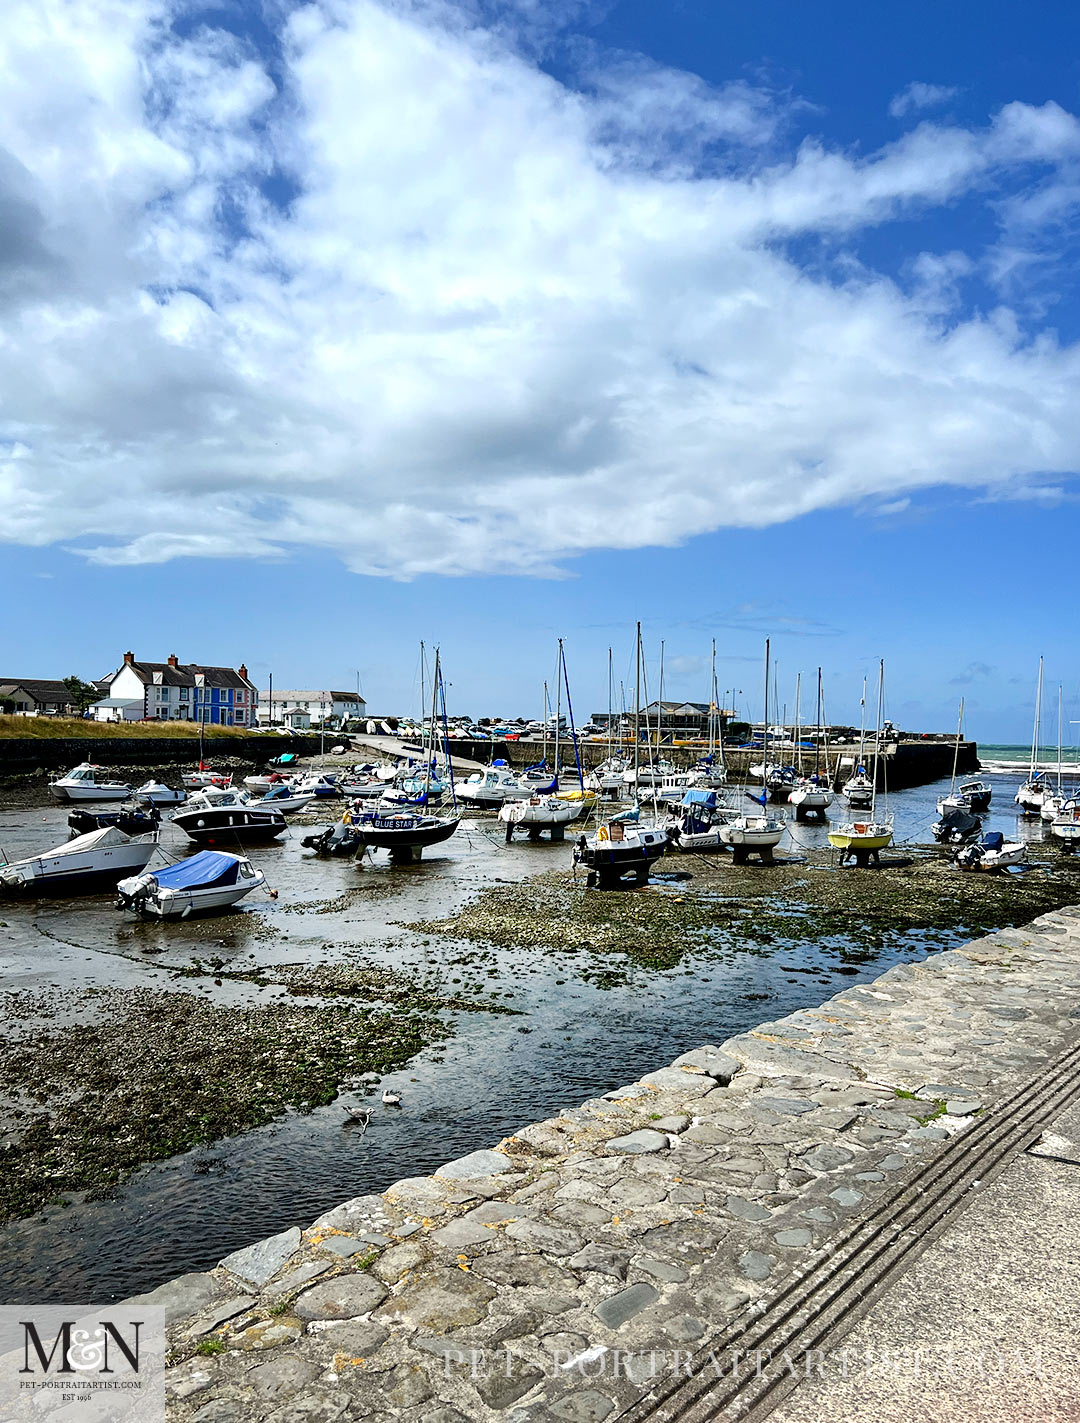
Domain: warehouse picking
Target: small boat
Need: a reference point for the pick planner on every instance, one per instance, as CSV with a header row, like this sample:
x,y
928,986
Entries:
x,y
1036,788
282,798
403,832
80,866
493,786
620,849
158,793
753,835
203,776
340,840
224,817
972,796
208,880
320,784
863,839
810,797
956,827
131,819
1066,824
993,852
607,778
653,775
87,782
537,814
260,784
859,790
697,823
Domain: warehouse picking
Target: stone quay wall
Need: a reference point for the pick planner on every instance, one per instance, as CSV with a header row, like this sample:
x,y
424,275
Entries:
x,y
551,1276
27,754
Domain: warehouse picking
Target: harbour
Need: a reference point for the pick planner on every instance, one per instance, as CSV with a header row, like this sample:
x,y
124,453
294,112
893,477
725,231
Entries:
x,y
499,988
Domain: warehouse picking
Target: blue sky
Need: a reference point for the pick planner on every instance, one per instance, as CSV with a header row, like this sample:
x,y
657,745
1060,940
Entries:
x,y
333,327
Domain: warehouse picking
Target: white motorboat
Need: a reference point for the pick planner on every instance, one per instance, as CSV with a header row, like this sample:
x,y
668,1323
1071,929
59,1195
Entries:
x,y
158,793
282,798
260,784
992,852
972,796
1066,824
492,786
81,866
697,823
87,782
322,785
206,881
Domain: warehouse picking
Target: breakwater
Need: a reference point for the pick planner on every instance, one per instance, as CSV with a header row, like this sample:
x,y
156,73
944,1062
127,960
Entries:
x,y
903,763
557,1274
21,756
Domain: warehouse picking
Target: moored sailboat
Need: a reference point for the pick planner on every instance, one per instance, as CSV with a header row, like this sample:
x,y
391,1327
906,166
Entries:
x,y
863,840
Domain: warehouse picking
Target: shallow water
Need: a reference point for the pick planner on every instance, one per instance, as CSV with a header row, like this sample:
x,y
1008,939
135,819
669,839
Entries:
x,y
572,1040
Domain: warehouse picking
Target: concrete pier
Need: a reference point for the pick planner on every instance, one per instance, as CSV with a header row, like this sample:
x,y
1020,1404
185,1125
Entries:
x,y
585,1267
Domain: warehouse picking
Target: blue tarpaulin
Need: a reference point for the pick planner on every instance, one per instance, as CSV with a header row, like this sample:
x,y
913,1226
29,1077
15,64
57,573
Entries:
x,y
705,798
209,867
993,840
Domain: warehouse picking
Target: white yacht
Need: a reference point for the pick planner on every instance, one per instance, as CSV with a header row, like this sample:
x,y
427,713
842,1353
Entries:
x,y
492,786
87,782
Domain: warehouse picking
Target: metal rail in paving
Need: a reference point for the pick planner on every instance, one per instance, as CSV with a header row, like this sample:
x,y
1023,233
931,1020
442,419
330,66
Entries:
x,y
828,1296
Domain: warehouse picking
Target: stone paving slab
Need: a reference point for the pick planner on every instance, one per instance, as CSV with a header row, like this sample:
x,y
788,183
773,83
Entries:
x,y
552,1275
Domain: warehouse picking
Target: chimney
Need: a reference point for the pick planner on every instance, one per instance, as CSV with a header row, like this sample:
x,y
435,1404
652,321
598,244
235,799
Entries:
x,y
243,671
174,661
129,659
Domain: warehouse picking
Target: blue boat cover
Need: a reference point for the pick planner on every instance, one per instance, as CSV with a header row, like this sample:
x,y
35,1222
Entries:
x,y
500,762
993,840
705,798
209,867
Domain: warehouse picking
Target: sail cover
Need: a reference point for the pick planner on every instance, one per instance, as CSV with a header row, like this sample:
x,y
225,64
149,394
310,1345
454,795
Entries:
x,y
703,798
210,867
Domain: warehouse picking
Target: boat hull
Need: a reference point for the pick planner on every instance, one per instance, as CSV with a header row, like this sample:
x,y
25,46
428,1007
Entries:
x,y
93,873
83,792
381,833
230,825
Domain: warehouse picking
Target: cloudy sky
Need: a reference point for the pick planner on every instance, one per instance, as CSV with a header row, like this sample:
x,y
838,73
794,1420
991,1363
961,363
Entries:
x,y
329,326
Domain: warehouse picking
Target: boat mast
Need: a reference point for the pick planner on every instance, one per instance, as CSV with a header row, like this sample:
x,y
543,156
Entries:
x,y
798,722
1035,728
1059,740
817,738
610,702
862,729
423,694
573,728
877,740
956,749
765,776
637,714
558,709
712,704
660,704
434,712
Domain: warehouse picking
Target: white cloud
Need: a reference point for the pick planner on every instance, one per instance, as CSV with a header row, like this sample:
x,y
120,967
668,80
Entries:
x,y
498,322
918,96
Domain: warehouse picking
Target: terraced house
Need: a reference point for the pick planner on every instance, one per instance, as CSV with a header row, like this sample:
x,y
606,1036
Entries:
x,y
182,691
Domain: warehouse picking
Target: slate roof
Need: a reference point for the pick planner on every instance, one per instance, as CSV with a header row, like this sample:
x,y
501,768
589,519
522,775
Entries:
x,y
37,688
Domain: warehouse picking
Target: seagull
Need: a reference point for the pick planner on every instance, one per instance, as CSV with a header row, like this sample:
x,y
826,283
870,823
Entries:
x,y
391,1099
357,1116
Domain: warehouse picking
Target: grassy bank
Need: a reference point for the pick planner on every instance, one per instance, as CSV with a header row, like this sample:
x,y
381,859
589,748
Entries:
x,y
63,728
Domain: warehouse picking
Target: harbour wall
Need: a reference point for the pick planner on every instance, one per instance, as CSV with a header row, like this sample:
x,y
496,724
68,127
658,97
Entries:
x,y
20,756
585,1260
903,763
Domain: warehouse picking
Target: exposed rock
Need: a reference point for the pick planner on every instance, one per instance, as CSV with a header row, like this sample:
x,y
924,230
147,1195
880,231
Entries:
x,y
439,1300
255,1264
344,1297
617,1309
477,1163
639,1141
601,1260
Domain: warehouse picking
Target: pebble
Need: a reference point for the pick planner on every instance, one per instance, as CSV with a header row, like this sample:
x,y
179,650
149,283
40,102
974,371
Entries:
x,y
618,1309
755,1265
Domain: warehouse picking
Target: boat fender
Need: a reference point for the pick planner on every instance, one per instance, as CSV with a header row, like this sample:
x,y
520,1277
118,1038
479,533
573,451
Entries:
x,y
602,833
